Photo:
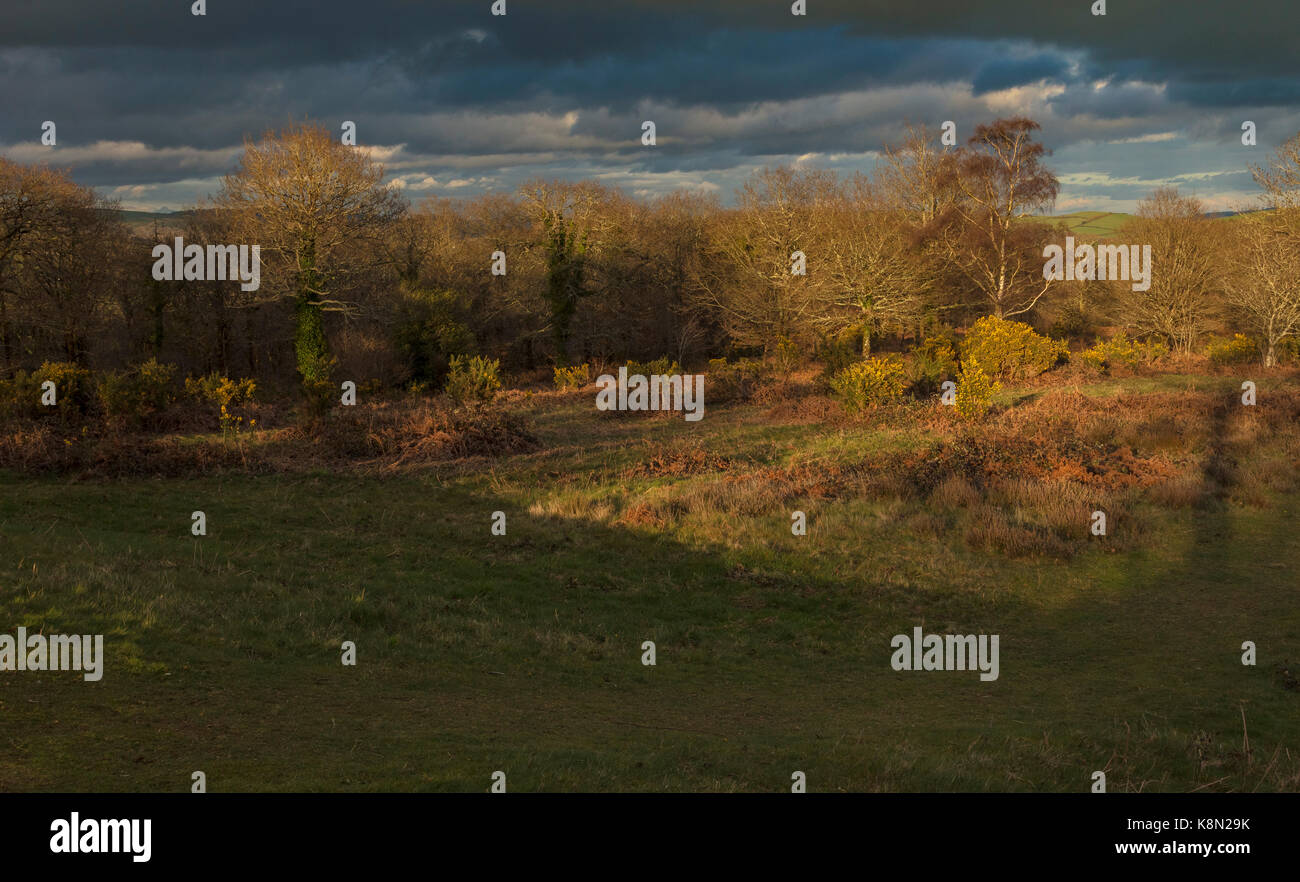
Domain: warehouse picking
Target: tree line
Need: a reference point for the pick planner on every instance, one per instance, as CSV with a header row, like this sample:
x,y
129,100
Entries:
x,y
359,283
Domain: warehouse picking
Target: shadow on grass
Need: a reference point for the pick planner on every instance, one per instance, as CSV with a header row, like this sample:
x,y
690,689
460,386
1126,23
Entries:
x,y
524,652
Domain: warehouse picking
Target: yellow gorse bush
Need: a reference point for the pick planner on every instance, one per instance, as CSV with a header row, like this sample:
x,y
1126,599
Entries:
x,y
1121,351
1235,351
473,380
135,393
660,366
226,394
572,377
865,384
975,390
1011,349
733,381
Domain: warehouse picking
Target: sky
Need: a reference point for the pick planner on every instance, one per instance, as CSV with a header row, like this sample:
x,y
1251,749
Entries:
x,y
152,103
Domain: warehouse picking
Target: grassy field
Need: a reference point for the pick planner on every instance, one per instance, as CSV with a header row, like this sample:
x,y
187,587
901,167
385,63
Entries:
x,y
522,652
1108,224
1103,224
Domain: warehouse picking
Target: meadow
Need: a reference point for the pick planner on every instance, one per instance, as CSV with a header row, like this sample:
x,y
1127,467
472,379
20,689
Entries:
x,y
522,652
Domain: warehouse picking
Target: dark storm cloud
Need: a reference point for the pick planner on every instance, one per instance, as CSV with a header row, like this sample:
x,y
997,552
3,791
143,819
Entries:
x,y
1186,37
145,93
1258,92
1248,35
1005,73
1231,38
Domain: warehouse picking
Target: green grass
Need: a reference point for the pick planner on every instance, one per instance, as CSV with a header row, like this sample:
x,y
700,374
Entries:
x,y
1103,224
522,652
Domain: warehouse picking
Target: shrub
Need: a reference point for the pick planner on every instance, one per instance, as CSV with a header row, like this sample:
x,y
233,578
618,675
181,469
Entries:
x,y
117,395
1235,351
1123,352
228,395
1287,350
933,361
72,383
319,393
137,393
1149,352
659,366
429,328
572,378
974,390
786,358
1096,357
424,431
737,381
837,353
21,396
154,383
869,383
473,380
1072,320
1011,349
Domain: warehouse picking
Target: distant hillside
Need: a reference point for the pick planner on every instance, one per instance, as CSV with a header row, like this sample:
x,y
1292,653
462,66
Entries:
x,y
1094,223
1217,214
1104,224
142,222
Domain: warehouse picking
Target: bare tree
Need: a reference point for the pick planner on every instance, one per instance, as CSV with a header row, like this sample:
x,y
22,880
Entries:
x,y
667,245
308,201
1185,269
915,181
31,198
69,271
746,274
1266,287
571,230
1280,176
988,233
874,276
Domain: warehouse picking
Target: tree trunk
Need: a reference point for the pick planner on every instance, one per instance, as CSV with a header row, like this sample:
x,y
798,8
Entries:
x,y
309,341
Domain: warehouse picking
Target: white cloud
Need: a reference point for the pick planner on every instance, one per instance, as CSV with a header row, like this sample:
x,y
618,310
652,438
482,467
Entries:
x,y
1153,138
119,151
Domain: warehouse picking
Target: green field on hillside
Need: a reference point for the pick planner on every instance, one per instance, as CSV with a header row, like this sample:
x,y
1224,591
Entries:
x,y
1094,223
